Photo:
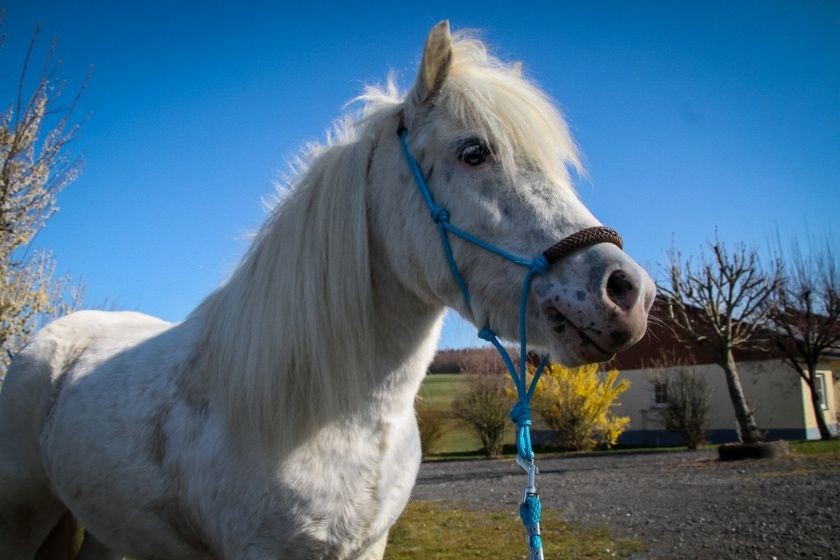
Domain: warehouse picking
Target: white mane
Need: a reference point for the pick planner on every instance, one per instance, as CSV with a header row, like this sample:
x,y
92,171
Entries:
x,y
289,335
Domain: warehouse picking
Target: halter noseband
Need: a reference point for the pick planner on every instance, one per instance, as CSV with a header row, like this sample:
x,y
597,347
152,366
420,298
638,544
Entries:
x,y
530,508
581,239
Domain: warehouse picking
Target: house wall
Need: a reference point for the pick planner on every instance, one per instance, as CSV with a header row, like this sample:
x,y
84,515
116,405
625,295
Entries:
x,y
774,390
834,366
829,370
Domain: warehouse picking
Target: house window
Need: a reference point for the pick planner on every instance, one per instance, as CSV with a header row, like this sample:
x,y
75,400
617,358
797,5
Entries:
x,y
660,393
819,383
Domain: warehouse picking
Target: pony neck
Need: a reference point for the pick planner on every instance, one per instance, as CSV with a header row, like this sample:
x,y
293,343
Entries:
x,y
305,333
407,332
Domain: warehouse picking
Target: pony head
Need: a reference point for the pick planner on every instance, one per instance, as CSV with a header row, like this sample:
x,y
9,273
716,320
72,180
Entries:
x,y
496,153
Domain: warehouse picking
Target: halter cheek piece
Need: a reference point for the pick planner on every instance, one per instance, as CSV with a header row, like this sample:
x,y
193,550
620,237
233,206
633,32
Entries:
x,y
530,508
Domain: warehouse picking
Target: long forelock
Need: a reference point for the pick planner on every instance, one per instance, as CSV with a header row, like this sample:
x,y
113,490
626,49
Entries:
x,y
523,126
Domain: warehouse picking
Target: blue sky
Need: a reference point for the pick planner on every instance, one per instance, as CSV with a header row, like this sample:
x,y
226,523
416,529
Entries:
x,y
691,117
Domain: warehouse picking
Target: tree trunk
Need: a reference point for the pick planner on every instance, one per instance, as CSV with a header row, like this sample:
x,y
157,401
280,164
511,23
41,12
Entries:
x,y
743,413
825,433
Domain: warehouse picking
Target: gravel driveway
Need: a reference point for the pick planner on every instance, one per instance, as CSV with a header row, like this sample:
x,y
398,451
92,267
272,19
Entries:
x,y
681,504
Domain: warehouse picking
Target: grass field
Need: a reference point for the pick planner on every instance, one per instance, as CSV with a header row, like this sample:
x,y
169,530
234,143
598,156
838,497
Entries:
x,y
439,389
437,392
818,447
437,530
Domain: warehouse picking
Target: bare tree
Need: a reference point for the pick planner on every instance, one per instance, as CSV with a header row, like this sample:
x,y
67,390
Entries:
x,y
35,165
484,407
470,360
686,394
432,425
487,361
721,304
806,316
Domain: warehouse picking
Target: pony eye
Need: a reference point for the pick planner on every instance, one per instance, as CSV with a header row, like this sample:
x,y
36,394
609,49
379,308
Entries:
x,y
474,154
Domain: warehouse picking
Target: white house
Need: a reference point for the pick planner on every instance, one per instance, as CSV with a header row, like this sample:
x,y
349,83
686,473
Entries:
x,y
781,400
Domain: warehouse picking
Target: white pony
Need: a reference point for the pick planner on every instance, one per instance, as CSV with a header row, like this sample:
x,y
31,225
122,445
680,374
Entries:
x,y
277,420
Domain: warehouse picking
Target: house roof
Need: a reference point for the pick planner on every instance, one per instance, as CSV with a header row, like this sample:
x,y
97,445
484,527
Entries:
x,y
661,347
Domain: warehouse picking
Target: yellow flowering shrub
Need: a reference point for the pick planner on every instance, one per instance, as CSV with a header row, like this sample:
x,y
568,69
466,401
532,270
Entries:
x,y
577,404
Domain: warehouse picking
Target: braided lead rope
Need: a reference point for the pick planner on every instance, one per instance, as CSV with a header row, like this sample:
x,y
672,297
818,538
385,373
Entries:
x,y
530,508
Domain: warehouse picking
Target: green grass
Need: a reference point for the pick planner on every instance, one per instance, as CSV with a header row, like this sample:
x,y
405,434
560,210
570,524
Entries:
x,y
437,392
436,530
439,389
816,447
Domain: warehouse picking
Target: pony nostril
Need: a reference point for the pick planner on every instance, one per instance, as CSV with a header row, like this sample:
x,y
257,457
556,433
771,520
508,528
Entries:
x,y
620,289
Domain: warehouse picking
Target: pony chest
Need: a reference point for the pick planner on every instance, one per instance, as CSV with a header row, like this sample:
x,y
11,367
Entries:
x,y
350,484
338,475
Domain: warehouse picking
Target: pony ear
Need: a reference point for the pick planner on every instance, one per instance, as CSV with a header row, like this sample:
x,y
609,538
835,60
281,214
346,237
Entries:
x,y
437,56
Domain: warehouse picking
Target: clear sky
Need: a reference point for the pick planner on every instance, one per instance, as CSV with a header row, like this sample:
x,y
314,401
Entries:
x,y
691,117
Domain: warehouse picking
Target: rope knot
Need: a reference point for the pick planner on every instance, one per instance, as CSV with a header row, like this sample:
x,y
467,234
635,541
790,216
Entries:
x,y
520,414
440,214
529,511
539,265
486,334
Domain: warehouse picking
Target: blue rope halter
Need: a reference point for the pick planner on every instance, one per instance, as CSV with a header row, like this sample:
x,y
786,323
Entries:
x,y
520,414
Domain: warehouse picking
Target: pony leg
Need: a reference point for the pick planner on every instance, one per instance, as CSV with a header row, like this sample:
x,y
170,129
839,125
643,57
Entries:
x,y
92,549
30,514
376,551
34,529
29,511
60,543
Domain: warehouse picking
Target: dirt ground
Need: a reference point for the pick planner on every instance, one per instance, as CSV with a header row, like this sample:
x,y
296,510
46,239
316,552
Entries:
x,y
685,505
